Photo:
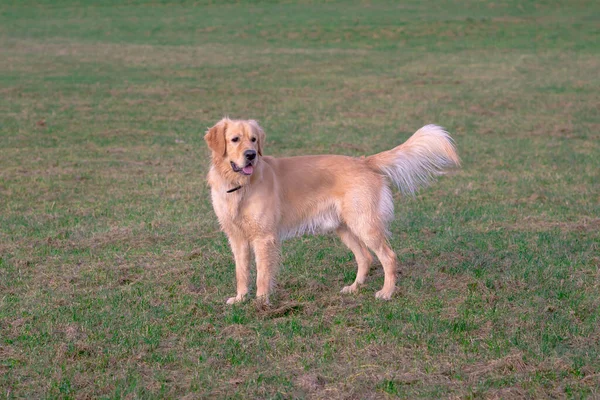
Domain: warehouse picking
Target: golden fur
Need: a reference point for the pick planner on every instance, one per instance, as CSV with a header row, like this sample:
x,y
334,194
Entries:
x,y
280,198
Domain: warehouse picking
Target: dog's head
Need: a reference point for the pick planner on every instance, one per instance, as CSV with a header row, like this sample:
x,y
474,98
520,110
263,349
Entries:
x,y
236,147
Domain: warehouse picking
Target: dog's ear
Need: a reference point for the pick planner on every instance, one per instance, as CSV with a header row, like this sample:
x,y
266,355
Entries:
x,y
215,137
261,135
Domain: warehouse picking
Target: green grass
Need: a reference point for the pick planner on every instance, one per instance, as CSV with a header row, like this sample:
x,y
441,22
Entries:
x,y
113,272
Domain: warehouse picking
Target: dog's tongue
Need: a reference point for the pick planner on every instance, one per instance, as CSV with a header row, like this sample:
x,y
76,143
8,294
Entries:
x,y
248,169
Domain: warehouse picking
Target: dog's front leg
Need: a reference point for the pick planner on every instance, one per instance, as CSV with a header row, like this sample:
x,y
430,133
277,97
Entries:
x,y
266,251
241,253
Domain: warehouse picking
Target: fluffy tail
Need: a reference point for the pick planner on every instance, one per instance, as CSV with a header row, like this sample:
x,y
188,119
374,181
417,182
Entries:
x,y
416,162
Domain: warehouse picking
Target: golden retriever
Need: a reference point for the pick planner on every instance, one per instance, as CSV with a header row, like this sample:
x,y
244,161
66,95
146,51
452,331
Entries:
x,y
261,200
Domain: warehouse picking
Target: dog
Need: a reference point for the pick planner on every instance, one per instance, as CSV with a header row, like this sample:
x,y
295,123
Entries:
x,y
261,200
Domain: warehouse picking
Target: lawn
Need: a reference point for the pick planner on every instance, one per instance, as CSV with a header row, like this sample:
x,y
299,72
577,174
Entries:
x,y
113,271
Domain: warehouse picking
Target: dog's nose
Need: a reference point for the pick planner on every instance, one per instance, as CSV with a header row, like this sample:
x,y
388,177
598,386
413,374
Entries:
x,y
250,155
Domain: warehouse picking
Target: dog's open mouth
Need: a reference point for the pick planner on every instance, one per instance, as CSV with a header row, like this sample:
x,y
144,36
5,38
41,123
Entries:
x,y
247,170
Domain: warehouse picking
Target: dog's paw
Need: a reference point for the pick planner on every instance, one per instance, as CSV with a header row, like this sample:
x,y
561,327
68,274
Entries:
x,y
237,299
262,303
384,294
350,289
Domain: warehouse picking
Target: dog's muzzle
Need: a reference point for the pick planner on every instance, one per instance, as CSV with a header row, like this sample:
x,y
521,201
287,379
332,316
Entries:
x,y
247,170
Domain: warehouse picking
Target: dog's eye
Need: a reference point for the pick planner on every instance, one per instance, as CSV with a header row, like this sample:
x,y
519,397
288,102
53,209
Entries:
x,y
235,139
254,139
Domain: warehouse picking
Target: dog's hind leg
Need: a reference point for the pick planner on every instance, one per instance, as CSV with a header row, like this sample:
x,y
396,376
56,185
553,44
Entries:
x,y
388,259
362,255
375,238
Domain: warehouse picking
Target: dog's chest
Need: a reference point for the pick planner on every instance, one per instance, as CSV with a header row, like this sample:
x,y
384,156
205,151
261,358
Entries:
x,y
226,207
235,216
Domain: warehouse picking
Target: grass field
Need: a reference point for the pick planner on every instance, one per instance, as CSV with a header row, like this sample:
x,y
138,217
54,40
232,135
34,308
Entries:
x,y
113,271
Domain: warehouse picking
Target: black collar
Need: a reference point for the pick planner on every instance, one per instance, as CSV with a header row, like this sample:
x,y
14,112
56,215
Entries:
x,y
234,189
